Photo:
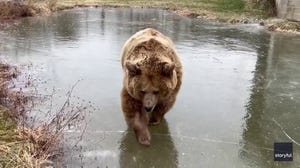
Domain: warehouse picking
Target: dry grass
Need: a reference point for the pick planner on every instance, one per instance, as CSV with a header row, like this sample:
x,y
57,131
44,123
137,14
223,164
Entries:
x,y
285,26
13,10
31,145
23,149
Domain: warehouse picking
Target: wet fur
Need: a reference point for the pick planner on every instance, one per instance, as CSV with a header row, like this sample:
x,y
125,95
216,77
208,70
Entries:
x,y
149,62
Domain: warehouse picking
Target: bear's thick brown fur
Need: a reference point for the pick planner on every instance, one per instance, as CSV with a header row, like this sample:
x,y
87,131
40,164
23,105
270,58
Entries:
x,y
152,79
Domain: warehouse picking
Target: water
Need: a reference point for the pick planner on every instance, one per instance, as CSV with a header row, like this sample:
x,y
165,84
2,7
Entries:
x,y
240,92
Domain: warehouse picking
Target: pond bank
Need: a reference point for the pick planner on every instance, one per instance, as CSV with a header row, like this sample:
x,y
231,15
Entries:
x,y
20,146
230,11
23,144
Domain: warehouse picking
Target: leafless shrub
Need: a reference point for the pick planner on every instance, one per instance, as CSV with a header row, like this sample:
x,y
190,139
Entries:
x,y
33,145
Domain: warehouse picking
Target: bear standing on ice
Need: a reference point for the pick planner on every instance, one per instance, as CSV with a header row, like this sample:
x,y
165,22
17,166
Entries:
x,y
152,79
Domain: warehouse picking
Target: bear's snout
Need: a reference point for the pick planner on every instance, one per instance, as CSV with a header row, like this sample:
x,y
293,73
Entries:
x,y
149,101
148,109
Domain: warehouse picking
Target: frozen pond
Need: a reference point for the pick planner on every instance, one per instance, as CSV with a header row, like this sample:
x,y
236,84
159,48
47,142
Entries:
x,y
240,92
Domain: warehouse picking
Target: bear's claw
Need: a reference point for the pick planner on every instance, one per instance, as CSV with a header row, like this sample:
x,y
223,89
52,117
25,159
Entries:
x,y
144,138
154,121
144,141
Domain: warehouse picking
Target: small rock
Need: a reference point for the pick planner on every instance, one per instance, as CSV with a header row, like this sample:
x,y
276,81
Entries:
x,y
261,23
245,21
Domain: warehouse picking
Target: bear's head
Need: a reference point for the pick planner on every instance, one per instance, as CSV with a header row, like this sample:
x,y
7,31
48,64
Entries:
x,y
150,81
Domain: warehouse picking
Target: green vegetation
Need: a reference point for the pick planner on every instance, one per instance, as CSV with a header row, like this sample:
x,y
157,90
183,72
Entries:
x,y
231,5
265,8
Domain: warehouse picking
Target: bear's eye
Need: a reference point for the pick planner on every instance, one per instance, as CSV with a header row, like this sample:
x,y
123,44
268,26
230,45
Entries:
x,y
142,92
155,92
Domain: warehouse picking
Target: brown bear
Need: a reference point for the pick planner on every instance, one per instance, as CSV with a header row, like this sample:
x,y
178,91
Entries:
x,y
152,79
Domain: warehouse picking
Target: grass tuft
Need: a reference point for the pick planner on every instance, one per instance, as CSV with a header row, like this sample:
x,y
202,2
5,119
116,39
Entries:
x,y
237,6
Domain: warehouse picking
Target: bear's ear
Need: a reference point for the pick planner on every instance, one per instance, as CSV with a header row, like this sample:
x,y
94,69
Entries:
x,y
167,69
133,68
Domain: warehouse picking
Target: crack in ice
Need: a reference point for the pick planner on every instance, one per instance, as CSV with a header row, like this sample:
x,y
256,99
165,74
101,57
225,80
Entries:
x,y
297,143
